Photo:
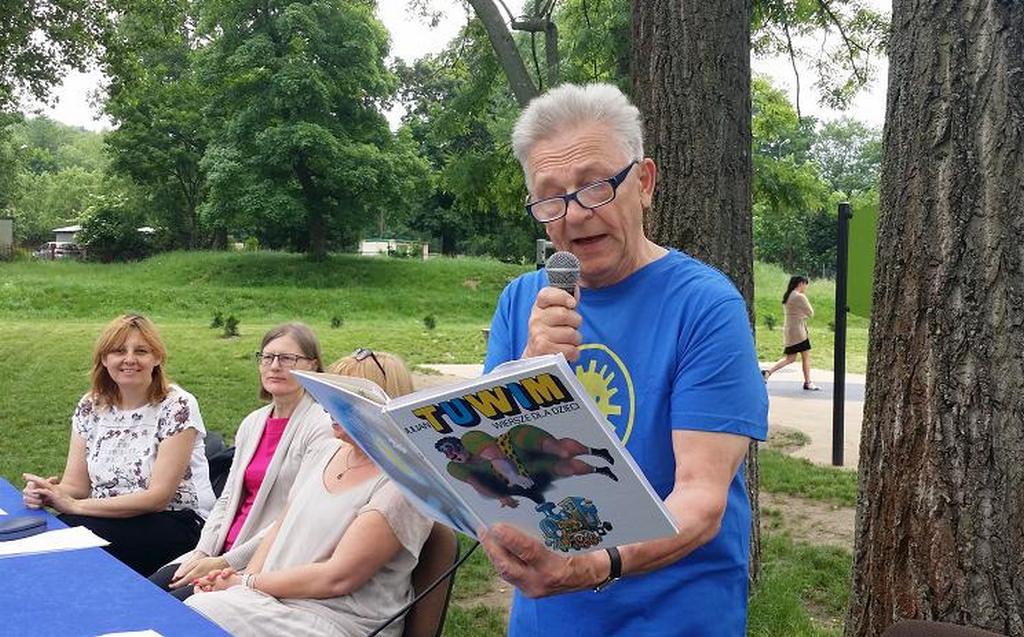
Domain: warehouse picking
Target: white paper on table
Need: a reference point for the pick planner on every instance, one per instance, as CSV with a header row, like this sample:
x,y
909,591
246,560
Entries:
x,y
133,633
76,537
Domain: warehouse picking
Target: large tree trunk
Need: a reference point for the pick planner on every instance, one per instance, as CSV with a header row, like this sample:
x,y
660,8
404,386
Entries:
x,y
691,81
940,517
316,216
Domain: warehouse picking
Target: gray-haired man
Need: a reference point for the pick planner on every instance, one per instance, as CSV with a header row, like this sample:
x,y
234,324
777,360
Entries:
x,y
665,342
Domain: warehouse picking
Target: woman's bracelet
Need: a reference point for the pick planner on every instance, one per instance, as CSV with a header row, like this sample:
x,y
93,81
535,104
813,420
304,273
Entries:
x,y
249,580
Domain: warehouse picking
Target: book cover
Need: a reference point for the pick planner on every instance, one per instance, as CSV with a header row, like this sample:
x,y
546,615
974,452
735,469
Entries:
x,y
524,445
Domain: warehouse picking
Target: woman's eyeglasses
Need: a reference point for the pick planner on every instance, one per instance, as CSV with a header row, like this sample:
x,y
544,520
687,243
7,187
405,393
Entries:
x,y
362,354
288,361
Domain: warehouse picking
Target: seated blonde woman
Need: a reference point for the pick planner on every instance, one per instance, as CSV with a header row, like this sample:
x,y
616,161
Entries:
x,y
136,471
339,560
270,446
387,370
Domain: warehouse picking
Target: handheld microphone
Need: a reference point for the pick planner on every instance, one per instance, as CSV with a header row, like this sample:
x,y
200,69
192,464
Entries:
x,y
563,270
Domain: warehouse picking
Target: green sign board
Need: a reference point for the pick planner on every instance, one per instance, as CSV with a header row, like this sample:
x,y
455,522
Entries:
x,y
863,230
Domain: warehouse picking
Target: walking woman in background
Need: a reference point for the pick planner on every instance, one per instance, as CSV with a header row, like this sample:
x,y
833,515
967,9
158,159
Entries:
x,y
136,472
796,339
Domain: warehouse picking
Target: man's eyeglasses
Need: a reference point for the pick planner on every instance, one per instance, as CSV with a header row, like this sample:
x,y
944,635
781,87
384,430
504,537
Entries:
x,y
363,353
591,196
288,361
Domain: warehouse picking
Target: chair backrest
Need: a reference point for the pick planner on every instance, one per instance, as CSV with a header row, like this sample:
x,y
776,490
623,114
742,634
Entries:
x,y
219,458
214,443
441,550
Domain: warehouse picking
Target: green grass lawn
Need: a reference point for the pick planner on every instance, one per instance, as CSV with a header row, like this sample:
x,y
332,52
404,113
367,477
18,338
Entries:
x,y
800,477
51,314
803,590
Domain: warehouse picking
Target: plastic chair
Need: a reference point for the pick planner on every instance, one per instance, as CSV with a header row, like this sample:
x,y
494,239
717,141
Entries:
x,y
440,552
916,628
219,458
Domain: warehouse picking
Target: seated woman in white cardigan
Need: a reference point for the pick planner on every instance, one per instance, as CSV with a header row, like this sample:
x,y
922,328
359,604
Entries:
x,y
338,561
270,446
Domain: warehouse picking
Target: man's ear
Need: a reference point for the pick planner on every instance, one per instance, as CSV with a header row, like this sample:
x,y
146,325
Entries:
x,y
648,172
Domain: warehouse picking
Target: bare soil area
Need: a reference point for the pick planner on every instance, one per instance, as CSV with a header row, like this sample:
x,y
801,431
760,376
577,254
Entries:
x,y
808,521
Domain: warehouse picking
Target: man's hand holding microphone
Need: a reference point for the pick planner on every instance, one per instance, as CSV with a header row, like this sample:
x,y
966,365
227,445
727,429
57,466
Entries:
x,y
554,322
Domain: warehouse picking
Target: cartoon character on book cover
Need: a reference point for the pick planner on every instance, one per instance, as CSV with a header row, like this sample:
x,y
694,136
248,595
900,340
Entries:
x,y
523,461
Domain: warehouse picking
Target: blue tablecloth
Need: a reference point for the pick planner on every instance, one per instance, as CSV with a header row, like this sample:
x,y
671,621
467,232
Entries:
x,y
83,593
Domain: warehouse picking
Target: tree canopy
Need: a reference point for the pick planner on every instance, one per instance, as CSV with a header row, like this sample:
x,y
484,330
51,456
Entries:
x,y
303,145
240,120
39,41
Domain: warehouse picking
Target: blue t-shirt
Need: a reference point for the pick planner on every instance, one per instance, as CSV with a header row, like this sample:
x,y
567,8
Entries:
x,y
669,347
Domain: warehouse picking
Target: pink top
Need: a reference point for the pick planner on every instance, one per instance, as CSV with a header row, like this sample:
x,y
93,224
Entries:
x,y
255,473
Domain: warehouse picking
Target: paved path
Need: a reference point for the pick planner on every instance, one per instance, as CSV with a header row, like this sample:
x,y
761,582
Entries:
x,y
789,406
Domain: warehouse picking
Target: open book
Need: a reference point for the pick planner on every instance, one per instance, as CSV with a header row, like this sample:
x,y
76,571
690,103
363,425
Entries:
x,y
525,445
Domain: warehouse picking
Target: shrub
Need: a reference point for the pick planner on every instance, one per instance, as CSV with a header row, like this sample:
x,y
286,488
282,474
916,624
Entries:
x,y
230,327
429,321
218,321
336,322
110,230
769,321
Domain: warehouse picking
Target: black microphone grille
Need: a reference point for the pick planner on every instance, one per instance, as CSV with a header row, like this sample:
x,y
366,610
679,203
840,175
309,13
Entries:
x,y
563,270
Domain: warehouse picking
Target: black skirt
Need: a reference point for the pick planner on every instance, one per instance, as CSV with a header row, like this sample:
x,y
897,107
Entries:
x,y
802,346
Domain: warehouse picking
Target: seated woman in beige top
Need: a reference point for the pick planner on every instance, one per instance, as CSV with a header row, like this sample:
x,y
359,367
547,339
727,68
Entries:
x,y
270,446
338,561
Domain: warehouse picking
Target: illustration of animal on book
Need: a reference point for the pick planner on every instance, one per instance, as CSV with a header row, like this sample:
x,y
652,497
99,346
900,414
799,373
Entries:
x,y
525,445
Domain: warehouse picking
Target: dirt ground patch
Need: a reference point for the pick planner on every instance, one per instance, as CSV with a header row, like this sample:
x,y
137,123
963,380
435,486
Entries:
x,y
786,439
808,521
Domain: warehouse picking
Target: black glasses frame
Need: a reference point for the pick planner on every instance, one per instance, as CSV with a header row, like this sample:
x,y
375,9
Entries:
x,y
363,353
298,357
615,181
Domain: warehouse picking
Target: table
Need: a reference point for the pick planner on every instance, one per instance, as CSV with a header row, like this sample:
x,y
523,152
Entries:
x,y
83,593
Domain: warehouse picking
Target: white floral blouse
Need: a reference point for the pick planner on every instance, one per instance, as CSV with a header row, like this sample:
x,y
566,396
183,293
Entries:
x,y
121,447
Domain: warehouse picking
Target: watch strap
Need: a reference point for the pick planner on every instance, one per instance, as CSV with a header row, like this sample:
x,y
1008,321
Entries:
x,y
614,571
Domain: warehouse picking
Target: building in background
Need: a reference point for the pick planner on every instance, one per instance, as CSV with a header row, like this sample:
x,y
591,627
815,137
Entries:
x,y
66,234
393,247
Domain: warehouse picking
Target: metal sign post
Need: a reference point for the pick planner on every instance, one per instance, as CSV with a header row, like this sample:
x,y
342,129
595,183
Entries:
x,y
839,364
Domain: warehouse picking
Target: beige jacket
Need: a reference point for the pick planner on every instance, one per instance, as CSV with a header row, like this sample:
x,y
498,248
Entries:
x,y
798,310
308,427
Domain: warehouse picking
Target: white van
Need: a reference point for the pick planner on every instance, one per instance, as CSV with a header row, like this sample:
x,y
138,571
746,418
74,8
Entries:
x,y
58,250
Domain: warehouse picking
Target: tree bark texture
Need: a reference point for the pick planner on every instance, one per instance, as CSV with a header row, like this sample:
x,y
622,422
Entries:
x,y
940,516
691,82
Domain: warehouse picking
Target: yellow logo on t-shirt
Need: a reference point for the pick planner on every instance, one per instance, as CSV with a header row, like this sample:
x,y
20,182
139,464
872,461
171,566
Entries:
x,y
605,377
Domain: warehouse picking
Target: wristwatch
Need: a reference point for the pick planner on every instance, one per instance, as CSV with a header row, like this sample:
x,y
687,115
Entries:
x,y
614,573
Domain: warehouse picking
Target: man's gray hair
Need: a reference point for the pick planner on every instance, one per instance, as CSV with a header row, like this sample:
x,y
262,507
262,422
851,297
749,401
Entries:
x,y
569,105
